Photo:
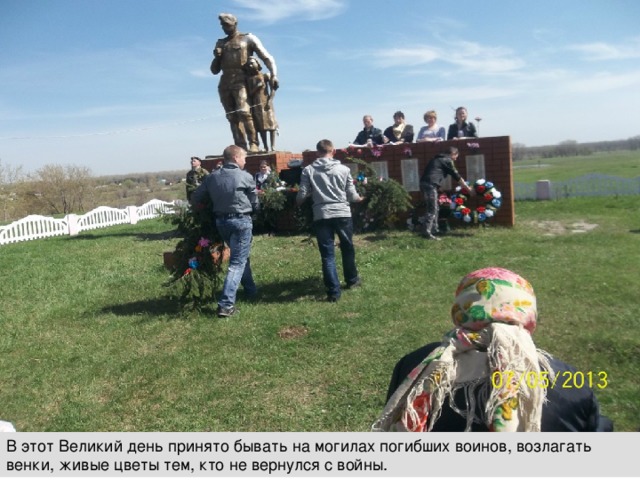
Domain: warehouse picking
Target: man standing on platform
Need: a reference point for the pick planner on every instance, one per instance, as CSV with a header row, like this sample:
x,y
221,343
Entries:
x,y
330,185
229,56
234,198
369,135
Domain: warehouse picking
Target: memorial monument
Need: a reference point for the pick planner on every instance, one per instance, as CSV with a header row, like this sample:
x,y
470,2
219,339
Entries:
x,y
230,56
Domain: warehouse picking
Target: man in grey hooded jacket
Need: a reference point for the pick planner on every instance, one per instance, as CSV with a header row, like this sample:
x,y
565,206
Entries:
x,y
330,185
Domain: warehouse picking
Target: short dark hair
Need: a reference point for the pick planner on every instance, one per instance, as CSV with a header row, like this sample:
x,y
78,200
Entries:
x,y
398,114
450,151
324,146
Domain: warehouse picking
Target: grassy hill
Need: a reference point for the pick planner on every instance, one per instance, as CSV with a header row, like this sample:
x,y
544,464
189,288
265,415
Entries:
x,y
91,343
625,164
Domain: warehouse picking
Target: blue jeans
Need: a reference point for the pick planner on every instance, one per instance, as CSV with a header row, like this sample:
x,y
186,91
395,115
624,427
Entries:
x,y
237,234
325,230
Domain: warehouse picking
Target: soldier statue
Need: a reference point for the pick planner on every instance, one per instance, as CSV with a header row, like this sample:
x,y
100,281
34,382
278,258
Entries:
x,y
229,57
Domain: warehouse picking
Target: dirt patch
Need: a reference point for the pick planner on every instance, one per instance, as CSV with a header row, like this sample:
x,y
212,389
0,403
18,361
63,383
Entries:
x,y
552,228
582,227
289,333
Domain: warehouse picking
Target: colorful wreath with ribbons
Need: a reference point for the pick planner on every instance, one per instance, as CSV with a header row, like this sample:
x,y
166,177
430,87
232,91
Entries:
x,y
486,192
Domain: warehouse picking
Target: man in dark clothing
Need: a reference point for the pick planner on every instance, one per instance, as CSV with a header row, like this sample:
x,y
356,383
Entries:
x,y
369,135
234,198
195,176
438,168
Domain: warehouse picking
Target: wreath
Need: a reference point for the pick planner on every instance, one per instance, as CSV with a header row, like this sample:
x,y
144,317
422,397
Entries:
x,y
485,191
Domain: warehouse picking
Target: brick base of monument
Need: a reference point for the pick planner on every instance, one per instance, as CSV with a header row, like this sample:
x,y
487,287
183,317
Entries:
x,y
278,161
496,163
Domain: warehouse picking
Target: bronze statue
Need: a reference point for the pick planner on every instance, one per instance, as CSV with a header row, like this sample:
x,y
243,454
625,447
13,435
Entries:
x,y
230,56
261,100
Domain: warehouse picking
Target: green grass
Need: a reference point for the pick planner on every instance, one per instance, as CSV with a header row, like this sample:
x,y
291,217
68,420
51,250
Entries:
x,y
90,343
625,164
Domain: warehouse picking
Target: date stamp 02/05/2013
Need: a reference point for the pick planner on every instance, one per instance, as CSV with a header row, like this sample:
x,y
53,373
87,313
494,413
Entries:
x,y
545,379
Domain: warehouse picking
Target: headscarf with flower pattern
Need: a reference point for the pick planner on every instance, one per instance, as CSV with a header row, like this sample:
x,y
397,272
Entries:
x,y
488,355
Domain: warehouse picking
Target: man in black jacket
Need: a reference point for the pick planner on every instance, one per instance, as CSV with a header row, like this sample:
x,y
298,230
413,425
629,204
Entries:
x,y
369,135
438,168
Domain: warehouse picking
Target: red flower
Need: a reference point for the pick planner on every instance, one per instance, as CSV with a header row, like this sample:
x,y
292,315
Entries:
x,y
480,209
480,188
459,201
488,196
466,211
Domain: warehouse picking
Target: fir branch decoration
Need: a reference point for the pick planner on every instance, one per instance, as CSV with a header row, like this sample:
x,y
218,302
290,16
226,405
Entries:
x,y
384,199
198,257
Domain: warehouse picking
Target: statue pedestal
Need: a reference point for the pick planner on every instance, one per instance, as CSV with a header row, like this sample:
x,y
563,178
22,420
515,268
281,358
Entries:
x,y
278,161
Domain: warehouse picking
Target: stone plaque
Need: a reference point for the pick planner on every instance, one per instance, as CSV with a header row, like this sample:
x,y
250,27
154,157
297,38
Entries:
x,y
381,169
475,168
353,167
410,174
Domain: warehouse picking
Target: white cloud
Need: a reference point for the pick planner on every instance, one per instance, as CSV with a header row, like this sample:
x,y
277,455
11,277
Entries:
x,y
200,73
271,12
604,51
468,56
471,93
604,82
393,57
309,89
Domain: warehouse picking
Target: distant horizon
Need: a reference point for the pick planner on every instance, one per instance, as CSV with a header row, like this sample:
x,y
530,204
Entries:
x,y
177,170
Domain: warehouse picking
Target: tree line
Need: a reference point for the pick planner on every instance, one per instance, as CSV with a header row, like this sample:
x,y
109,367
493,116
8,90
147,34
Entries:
x,y
56,190
571,148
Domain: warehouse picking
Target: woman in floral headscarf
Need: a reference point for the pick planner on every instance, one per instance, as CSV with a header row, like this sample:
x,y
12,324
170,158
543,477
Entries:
x,y
487,374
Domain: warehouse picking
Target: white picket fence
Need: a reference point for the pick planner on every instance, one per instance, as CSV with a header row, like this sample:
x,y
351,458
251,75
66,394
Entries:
x,y
37,226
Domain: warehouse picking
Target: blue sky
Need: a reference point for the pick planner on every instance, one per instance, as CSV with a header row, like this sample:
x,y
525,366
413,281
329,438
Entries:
x,y
124,86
